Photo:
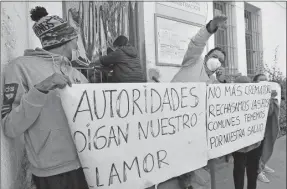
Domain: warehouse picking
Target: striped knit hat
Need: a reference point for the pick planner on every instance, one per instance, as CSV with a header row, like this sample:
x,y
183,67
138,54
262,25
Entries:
x,y
52,31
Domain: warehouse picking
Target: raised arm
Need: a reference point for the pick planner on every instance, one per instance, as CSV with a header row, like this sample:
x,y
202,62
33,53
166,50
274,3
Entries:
x,y
198,42
107,60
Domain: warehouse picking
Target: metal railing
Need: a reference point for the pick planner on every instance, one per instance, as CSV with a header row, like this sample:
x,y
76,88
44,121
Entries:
x,y
97,74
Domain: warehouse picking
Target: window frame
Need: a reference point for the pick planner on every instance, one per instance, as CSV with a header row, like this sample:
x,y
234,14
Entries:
x,y
253,39
226,38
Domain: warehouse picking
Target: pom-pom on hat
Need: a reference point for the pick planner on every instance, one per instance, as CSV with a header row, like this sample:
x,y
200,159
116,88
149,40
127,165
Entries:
x,y
52,31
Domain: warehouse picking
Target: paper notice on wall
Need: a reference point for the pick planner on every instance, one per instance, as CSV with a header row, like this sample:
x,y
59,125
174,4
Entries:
x,y
133,136
165,36
236,116
172,40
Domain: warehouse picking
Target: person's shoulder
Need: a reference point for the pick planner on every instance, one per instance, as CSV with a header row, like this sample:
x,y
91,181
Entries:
x,y
16,63
17,66
22,61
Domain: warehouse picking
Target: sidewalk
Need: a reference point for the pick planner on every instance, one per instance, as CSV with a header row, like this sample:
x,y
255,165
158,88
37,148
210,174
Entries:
x,y
224,175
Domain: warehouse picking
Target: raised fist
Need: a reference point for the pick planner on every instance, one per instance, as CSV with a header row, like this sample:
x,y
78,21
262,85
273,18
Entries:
x,y
218,21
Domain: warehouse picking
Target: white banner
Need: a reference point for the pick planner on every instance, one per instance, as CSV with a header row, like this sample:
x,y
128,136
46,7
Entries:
x,y
236,116
132,136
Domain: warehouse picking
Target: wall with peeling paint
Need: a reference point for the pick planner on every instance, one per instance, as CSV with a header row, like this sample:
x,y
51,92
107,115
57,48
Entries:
x,y
16,36
13,42
13,38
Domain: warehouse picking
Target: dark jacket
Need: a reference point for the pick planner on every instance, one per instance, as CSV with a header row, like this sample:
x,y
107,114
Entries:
x,y
126,65
271,131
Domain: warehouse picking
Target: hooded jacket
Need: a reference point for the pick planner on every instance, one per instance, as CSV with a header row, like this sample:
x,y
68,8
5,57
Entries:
x,y
126,65
40,117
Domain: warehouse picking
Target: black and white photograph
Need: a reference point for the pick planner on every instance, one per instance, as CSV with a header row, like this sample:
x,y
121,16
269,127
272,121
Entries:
x,y
143,94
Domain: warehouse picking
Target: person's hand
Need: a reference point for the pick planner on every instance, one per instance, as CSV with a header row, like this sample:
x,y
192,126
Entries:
x,y
154,74
53,82
95,63
220,71
218,21
274,93
92,65
222,79
220,75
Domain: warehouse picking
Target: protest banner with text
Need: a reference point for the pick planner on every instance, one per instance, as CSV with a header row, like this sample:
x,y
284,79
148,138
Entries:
x,y
132,136
236,116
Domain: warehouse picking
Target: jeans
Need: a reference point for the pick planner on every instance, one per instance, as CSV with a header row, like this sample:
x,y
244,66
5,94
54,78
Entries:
x,y
261,164
250,162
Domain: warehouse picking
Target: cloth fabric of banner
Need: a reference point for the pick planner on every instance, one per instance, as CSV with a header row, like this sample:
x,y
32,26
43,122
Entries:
x,y
236,116
133,136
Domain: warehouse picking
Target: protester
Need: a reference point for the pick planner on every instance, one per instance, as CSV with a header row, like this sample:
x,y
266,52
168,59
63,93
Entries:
x,y
271,133
246,158
125,62
32,106
196,69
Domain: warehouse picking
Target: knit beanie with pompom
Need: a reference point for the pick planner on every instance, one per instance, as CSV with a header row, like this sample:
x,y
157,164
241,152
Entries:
x,y
52,31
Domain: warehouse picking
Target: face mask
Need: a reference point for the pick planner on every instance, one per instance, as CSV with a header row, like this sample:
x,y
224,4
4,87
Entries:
x,y
75,54
213,64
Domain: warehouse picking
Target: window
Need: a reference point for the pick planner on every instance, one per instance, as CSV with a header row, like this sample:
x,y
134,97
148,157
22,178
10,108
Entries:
x,y
225,38
252,39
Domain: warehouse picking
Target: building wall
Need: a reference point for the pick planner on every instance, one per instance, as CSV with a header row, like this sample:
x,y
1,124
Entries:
x,y
16,36
240,38
273,32
273,35
273,23
152,8
13,42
